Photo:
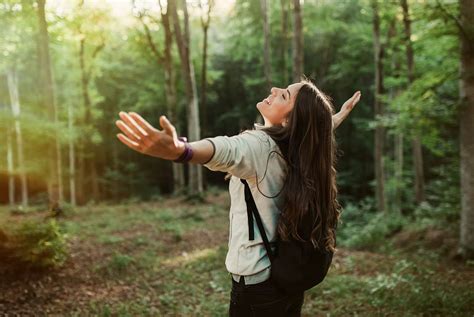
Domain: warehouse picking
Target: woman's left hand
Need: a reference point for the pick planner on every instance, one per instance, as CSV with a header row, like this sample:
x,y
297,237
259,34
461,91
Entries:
x,y
351,102
345,109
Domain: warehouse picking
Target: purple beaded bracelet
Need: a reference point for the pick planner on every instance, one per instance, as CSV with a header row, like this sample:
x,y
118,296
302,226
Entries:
x,y
187,154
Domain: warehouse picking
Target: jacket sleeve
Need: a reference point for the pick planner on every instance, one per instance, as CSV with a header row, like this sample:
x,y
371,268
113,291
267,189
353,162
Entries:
x,y
238,155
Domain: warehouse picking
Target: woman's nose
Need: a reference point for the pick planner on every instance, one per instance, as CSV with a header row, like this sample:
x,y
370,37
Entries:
x,y
273,90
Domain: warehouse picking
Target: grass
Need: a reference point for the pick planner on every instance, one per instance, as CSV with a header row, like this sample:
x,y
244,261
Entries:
x,y
167,259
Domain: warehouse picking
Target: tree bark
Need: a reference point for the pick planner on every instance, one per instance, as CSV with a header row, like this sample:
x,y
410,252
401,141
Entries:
x,y
15,103
466,128
378,110
194,134
284,40
205,22
297,42
164,58
416,142
267,64
170,91
46,82
91,182
72,158
10,169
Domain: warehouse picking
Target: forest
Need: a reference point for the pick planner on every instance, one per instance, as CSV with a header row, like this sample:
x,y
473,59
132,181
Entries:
x,y
90,227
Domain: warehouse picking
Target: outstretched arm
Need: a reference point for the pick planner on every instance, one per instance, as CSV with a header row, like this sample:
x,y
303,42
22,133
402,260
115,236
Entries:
x,y
345,109
141,136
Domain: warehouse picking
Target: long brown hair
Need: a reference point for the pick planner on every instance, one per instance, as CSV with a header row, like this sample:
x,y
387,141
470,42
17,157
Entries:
x,y
308,145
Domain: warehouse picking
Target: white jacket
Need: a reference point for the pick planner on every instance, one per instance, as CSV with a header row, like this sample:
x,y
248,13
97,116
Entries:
x,y
246,156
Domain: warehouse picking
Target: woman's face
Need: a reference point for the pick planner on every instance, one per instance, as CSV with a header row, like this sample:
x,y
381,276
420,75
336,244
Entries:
x,y
276,107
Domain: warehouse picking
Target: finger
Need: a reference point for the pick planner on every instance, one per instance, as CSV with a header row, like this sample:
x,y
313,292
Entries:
x,y
127,131
131,144
142,122
132,124
167,126
357,96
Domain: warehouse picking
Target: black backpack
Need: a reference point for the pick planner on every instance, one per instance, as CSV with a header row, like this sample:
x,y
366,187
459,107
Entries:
x,y
296,266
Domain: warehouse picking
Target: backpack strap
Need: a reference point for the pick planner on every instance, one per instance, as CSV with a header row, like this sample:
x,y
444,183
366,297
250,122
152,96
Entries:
x,y
252,209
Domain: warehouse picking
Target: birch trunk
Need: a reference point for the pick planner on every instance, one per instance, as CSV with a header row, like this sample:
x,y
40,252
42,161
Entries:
x,y
466,127
15,103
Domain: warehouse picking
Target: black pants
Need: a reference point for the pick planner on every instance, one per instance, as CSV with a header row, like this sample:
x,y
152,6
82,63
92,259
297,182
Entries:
x,y
263,299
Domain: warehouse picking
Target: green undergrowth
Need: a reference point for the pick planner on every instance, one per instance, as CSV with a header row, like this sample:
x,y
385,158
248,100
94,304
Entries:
x,y
154,259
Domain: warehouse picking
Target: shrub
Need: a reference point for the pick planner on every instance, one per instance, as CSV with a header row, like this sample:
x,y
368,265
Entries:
x,y
33,244
363,229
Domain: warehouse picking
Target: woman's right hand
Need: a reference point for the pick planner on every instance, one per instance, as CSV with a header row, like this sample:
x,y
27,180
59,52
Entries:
x,y
141,136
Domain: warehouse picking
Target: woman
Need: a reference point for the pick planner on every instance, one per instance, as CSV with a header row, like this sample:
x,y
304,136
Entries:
x,y
289,165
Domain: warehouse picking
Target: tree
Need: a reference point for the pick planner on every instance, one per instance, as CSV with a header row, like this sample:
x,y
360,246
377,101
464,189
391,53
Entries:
x,y
284,39
194,132
15,104
89,166
267,63
416,142
466,127
205,23
378,109
298,61
164,58
55,189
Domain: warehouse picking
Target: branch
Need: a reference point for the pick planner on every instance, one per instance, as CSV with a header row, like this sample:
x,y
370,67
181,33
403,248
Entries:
x,y
151,44
456,21
97,50
210,5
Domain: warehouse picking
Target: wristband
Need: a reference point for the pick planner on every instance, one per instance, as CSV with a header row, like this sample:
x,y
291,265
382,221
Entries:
x,y
187,154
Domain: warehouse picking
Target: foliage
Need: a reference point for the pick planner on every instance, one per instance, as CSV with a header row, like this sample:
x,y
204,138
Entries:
x,y
34,244
363,229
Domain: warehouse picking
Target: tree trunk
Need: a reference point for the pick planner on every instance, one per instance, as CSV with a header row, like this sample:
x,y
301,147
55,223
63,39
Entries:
x,y
466,128
59,164
170,91
267,64
399,170
46,82
416,142
81,178
378,110
165,59
297,42
10,169
183,42
91,182
284,40
205,22
72,158
15,103
116,185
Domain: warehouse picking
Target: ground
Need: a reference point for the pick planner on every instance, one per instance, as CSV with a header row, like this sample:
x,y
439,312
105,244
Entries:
x,y
166,258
